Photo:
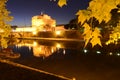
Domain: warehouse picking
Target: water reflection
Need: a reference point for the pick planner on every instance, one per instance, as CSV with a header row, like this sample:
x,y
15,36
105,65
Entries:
x,y
42,48
43,51
70,59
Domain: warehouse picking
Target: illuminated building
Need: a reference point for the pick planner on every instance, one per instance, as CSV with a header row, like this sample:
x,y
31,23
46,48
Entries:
x,y
43,22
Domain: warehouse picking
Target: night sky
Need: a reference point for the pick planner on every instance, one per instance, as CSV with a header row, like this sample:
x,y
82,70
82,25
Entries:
x,y
23,10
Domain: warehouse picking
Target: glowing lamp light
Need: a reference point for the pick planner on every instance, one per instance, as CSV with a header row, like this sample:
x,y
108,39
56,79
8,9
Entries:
x,y
64,52
118,54
29,47
85,50
34,32
35,43
111,53
98,52
74,78
58,32
58,45
52,50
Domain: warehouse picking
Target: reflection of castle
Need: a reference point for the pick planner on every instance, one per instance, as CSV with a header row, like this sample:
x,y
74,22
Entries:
x,y
41,22
38,50
43,51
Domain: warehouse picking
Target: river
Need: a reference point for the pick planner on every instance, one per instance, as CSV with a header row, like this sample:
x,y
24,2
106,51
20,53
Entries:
x,y
69,58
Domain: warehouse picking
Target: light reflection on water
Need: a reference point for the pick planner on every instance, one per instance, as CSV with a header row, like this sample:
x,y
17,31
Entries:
x,y
70,59
39,50
44,49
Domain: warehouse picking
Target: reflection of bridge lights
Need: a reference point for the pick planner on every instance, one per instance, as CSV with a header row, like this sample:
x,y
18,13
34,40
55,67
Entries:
x,y
85,50
52,50
64,52
58,32
98,52
29,47
34,43
19,45
74,78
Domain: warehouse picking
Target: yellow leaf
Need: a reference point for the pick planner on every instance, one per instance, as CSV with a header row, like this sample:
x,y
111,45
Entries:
x,y
96,37
83,15
114,36
86,28
87,33
4,43
95,41
87,37
96,32
62,3
117,2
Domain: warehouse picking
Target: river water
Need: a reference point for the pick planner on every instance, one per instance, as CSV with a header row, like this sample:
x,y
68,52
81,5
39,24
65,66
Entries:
x,y
70,59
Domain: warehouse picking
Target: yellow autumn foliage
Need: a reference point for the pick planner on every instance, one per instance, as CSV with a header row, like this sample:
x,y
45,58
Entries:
x,y
92,36
87,33
96,37
114,36
4,18
83,15
62,3
99,9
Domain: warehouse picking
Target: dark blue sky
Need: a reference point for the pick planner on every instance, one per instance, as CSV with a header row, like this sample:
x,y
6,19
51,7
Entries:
x,y
23,10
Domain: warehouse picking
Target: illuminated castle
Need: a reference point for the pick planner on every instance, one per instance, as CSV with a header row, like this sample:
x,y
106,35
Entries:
x,y
43,22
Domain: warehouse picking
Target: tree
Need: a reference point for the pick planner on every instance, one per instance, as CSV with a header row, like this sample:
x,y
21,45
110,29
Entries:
x,y
101,11
115,17
14,26
98,10
4,19
73,24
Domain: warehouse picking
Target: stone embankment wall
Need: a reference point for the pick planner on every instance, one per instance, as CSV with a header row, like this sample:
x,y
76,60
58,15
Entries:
x,y
72,34
68,34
